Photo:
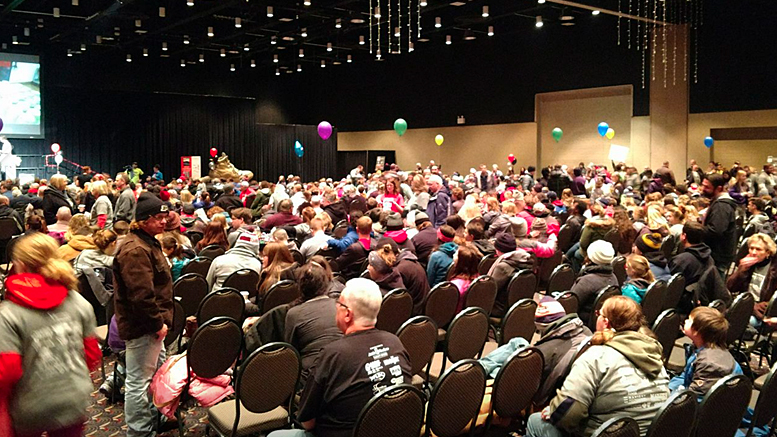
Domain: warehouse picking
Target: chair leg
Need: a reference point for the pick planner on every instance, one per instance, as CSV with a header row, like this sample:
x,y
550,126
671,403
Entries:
x,y
179,416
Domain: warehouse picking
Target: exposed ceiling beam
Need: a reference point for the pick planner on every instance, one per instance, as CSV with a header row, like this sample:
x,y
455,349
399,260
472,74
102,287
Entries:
x,y
609,12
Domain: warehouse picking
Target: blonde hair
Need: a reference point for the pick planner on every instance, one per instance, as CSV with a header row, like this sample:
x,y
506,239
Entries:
x,y
509,208
768,243
187,196
641,267
326,219
655,218
623,313
76,224
101,187
58,181
38,253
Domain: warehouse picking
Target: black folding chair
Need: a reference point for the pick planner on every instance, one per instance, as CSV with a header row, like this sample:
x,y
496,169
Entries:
x,y
379,416
604,294
211,251
653,302
618,427
721,410
395,309
676,417
561,279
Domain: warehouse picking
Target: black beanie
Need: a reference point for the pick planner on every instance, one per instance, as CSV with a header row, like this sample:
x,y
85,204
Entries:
x,y
505,242
148,205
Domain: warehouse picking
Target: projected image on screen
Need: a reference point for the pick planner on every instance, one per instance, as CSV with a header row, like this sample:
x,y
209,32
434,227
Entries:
x,y
20,99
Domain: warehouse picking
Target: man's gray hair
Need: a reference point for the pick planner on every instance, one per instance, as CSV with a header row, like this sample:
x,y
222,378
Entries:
x,y
363,297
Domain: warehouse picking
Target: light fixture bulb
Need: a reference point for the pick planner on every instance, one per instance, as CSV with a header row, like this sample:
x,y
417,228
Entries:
x,y
253,63
83,49
74,2
246,48
323,63
15,40
423,3
350,60
183,63
301,53
129,58
69,55
595,12
438,22
277,71
162,12
145,52
377,12
275,58
338,23
164,46
138,23
485,11
202,57
329,46
269,12
361,40
541,1
186,39
210,31
231,67
538,21
223,53
490,30
238,22
306,3
304,33
410,46
448,39
189,2
273,40
56,12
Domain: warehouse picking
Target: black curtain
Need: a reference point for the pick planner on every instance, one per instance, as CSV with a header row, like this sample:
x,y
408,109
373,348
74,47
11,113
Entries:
x,y
109,130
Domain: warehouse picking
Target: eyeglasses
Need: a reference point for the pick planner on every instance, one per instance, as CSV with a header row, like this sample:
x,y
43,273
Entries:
x,y
342,304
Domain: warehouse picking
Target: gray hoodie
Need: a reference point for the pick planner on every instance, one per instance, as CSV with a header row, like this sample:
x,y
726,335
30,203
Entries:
x,y
502,270
624,377
239,257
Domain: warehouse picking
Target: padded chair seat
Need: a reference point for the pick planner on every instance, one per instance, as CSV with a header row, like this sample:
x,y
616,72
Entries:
x,y
682,341
435,367
418,382
759,382
676,360
222,418
101,332
489,347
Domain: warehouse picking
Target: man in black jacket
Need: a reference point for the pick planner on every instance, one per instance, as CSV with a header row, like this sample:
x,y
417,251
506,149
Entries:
x,y
697,265
229,201
719,222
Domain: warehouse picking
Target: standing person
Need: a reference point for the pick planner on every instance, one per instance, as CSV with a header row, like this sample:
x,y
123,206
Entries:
x,y
47,344
666,174
439,204
102,210
719,222
135,173
143,298
157,175
55,197
125,204
392,199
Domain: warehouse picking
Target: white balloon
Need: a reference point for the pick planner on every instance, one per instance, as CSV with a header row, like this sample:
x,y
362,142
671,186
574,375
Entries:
x,y
58,159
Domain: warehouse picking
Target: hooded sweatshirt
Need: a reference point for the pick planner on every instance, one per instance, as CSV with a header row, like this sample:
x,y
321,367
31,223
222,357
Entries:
x,y
75,246
624,377
658,265
414,277
502,270
635,289
239,257
262,198
691,262
439,262
591,280
559,344
47,348
400,237
720,229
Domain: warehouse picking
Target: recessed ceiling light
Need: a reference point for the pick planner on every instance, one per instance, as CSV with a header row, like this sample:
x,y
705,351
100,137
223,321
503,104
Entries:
x,y
301,53
277,72
275,59
246,48
164,46
183,63
288,38
357,20
566,18
223,53
323,63
299,68
568,23
350,59
273,40
457,3
595,12
162,12
129,58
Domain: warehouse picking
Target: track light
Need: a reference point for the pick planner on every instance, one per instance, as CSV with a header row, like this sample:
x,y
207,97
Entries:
x,y
438,22
338,23
485,11
253,63
162,12
301,53
349,59
323,63
304,33
448,39
329,46
275,59
377,12
202,57
164,45
490,30
210,31
189,2
223,53
595,12
238,22
273,40
269,12
231,67
538,21
145,52
129,58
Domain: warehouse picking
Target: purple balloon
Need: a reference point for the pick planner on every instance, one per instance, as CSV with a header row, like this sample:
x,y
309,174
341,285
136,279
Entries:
x,y
324,130
1,124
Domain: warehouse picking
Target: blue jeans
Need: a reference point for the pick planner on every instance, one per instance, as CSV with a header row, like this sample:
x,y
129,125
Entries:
x,y
291,433
574,255
536,427
144,356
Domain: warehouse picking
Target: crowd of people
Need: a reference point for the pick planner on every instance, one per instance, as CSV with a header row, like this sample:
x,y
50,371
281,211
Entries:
x,y
411,229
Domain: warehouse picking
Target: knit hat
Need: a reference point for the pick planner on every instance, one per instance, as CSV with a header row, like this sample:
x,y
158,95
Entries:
x,y
421,217
519,226
148,205
538,227
505,242
382,241
164,195
378,264
540,210
649,242
248,240
548,311
600,252
394,222
173,221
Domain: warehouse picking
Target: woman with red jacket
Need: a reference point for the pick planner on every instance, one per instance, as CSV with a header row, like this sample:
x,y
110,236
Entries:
x,y
47,345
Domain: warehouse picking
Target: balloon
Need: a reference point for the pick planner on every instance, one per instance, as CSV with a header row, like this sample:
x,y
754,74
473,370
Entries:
x,y
400,126
55,148
709,141
610,133
511,158
603,128
58,158
325,130
1,124
213,152
439,139
298,149
557,133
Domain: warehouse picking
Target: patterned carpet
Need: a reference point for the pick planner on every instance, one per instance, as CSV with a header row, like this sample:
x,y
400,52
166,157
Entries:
x,y
107,420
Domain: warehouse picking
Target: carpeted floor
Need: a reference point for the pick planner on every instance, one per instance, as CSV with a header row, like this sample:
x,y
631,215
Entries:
x,y
107,420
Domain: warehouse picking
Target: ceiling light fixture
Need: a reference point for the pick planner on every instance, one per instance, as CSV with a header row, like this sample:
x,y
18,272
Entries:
x,y
410,46
253,63
338,23
304,33
26,31
164,45
162,12
238,22
186,39
138,23
361,40
350,60
595,12
183,63
202,57
275,59
469,35
438,22
69,55
269,12
485,11
538,21
231,67
277,71
129,58
145,51
99,39
56,12
299,68
423,3
15,40
301,53
329,46
396,32
246,48
210,31
189,2
541,1
74,2
490,30
447,39
377,12
306,3
323,63
223,53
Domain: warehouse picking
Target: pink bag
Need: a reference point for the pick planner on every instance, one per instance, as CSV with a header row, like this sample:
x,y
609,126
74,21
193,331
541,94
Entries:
x,y
169,381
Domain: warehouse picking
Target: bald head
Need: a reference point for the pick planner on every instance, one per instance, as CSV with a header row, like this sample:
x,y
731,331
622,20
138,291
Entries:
x,y
64,214
363,297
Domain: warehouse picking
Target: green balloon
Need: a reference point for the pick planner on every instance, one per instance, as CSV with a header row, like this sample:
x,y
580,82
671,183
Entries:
x,y
557,134
400,126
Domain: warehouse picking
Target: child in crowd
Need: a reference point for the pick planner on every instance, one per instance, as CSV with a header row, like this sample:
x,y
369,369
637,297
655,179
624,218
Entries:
x,y
174,253
640,278
707,328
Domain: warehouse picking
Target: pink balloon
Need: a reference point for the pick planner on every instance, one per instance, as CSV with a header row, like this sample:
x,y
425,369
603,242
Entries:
x,y
55,148
324,130
1,124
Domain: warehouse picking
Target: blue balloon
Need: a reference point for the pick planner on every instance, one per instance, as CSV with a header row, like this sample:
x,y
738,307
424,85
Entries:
x,y
603,128
298,149
708,141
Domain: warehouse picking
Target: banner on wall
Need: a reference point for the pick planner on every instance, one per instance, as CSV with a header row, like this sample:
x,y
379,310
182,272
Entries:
x,y
618,153
191,167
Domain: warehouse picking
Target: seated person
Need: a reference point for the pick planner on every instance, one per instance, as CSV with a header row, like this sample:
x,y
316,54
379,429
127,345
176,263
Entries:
x,y
621,374
757,273
243,256
283,217
317,241
351,260
649,246
310,321
639,278
414,277
173,251
349,372
425,239
281,236
278,265
395,229
339,245
442,257
707,328
477,236
509,261
381,267
464,271
596,274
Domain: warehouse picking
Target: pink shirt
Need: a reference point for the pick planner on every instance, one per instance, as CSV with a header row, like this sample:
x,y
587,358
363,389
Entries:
x,y
463,285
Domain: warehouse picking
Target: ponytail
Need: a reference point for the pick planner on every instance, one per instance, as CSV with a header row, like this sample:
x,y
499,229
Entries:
x,y
39,254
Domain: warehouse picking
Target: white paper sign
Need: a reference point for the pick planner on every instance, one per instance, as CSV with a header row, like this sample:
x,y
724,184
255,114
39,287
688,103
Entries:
x,y
618,153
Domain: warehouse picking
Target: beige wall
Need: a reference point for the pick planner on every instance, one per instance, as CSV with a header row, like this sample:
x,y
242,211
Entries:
x,y
464,146
747,152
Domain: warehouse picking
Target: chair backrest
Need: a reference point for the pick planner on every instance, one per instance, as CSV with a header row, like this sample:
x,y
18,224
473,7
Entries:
x,y
668,245
280,293
225,302
365,274
456,399
340,230
676,417
613,237
738,316
198,265
547,265
766,406
653,302
561,279
666,328
192,289
619,269
379,416
485,264
268,378
395,309
419,336
8,228
721,410
603,294
299,258
441,303
467,334
517,382
749,230
243,280
565,235
674,291
569,301
519,321
521,286
481,293
211,251
742,250
214,347
194,237
618,427
179,322
718,305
